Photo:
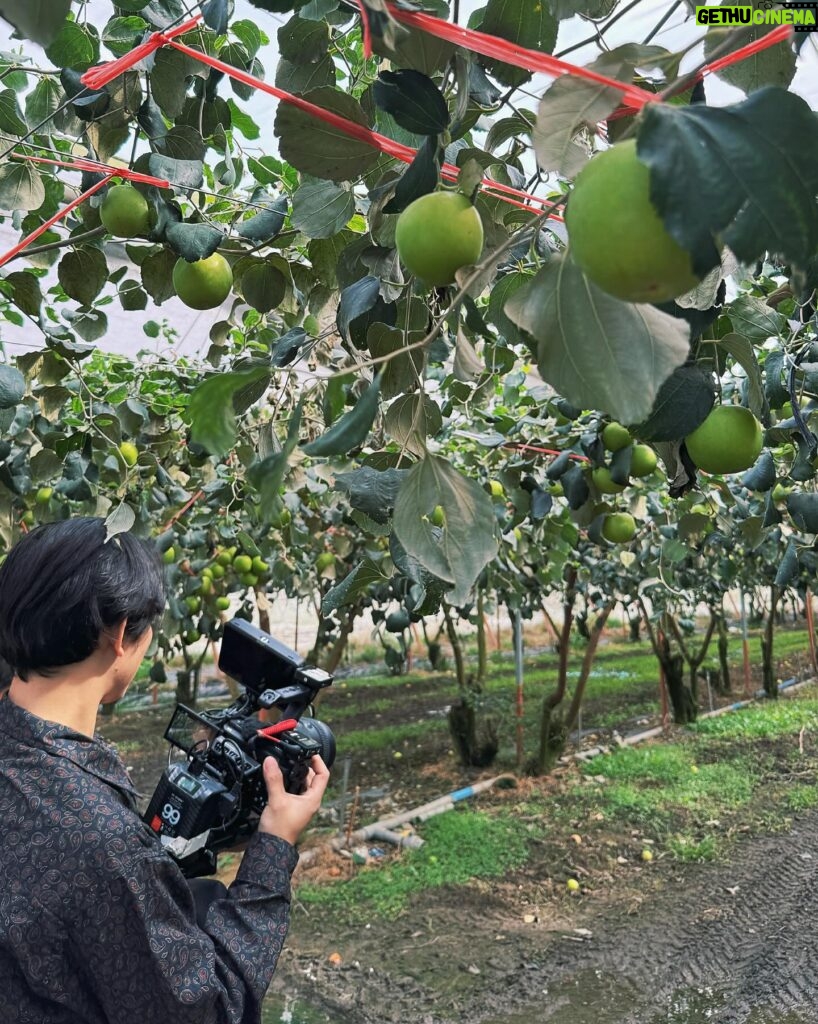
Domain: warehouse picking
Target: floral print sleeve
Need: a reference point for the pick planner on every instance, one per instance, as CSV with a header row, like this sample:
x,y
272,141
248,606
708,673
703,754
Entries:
x,y
97,923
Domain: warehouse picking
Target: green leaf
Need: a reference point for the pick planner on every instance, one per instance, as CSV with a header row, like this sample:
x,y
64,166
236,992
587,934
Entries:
x,y
570,106
73,47
788,569
458,553
742,351
12,386
26,292
187,173
42,102
83,274
322,150
212,415
596,351
683,403
11,117
40,20
521,22
414,101
803,509
321,208
267,475
119,520
364,577
157,275
774,65
21,187
360,305
762,476
168,79
242,121
410,419
265,225
753,318
194,241
302,41
351,430
372,491
400,374
747,174
263,286
121,35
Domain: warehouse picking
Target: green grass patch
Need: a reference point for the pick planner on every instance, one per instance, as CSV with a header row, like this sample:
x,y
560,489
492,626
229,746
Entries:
x,y
766,720
802,798
460,845
694,851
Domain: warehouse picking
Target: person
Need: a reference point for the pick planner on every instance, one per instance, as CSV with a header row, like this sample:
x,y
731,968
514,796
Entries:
x,y
97,923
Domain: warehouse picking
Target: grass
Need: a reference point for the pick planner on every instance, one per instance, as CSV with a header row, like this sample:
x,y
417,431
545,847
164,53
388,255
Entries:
x,y
459,846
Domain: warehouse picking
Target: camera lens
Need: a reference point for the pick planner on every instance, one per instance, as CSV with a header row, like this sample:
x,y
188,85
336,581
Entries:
x,y
320,732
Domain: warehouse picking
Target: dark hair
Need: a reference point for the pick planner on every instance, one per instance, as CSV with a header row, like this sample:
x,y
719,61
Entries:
x,y
63,584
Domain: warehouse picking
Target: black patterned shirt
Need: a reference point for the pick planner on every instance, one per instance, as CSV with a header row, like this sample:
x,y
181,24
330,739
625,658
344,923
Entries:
x,y
97,923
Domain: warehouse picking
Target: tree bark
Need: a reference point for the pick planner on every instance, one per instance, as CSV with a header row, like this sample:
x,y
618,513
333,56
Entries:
x,y
724,659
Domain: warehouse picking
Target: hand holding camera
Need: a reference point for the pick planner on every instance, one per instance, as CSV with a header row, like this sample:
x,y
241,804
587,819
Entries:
x,y
288,814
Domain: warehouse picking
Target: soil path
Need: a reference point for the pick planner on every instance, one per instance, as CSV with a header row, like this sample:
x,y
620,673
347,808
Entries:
x,y
731,943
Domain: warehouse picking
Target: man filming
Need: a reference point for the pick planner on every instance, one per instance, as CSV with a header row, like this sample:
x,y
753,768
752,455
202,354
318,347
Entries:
x,y
97,923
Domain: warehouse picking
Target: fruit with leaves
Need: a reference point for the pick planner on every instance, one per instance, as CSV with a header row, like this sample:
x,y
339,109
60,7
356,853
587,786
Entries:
x,y
619,527
438,516
204,284
438,234
129,453
643,460
125,212
169,555
604,482
729,441
243,564
615,436
616,235
43,495
324,561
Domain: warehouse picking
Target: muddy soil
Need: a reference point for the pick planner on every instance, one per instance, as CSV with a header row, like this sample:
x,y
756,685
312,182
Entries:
x,y
641,944
732,943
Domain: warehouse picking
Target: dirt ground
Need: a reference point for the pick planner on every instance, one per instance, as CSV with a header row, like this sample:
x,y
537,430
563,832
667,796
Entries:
x,y
640,944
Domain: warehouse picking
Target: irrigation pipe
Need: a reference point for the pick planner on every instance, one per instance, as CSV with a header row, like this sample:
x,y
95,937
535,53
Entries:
x,y
385,828
649,734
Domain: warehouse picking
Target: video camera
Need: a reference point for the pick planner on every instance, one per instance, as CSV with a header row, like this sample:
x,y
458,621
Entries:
x,y
214,797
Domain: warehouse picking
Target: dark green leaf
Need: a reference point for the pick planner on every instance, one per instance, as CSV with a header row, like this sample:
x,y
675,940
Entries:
x,y
194,241
83,274
803,509
303,42
519,21
351,430
315,147
372,491
26,292
361,580
73,47
216,15
413,100
747,174
121,35
42,102
266,225
288,346
360,305
458,553
12,386
11,117
21,187
157,275
212,415
596,351
683,403
774,65
40,20
566,110
788,569
263,286
762,476
321,208
419,178
187,173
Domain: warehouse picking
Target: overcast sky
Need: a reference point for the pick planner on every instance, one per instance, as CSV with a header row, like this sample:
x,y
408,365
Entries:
x,y
125,333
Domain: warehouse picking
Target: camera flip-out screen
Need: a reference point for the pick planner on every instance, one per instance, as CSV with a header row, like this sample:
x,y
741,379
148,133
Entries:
x,y
189,731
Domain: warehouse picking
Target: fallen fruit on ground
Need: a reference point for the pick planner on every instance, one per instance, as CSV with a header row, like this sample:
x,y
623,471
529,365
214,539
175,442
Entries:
x,y
616,235
729,441
125,212
647,856
572,885
619,527
438,234
204,284
643,460
615,436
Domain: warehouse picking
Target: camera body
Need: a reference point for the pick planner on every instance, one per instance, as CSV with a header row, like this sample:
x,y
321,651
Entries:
x,y
213,798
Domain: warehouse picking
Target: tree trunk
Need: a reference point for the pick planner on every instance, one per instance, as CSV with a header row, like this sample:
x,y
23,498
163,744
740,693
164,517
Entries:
x,y
475,738
482,649
684,706
457,648
724,660
553,737
767,666
634,628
